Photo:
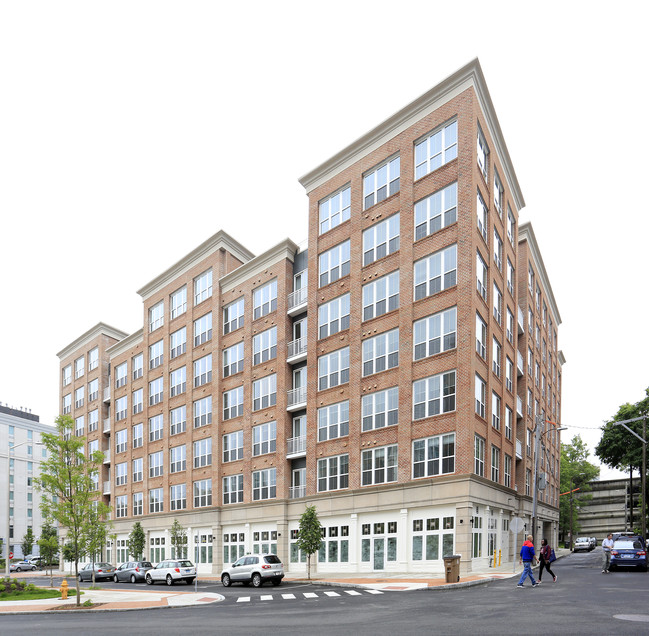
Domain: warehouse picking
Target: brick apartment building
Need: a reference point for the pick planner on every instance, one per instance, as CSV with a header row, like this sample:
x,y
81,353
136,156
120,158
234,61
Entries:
x,y
404,412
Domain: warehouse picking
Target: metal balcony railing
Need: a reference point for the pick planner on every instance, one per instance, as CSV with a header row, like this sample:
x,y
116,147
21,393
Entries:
x,y
295,492
297,298
296,347
296,445
296,397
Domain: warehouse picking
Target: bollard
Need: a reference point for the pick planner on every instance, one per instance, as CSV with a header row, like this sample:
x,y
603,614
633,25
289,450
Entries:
x,y
500,556
64,590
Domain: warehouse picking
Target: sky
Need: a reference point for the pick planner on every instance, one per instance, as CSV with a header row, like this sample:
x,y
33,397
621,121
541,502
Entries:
x,y
130,132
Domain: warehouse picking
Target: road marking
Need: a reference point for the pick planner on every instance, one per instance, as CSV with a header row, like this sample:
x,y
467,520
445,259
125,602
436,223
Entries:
x,y
374,591
243,599
310,595
288,597
352,592
266,597
332,594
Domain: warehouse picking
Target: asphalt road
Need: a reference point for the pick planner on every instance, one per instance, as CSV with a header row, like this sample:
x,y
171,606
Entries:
x,y
582,601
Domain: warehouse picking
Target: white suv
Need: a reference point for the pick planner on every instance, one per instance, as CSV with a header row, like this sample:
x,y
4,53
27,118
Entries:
x,y
255,569
172,571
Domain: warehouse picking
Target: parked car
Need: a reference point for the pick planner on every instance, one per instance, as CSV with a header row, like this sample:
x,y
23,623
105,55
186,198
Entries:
x,y
172,571
582,543
21,566
103,572
629,552
593,542
255,569
133,571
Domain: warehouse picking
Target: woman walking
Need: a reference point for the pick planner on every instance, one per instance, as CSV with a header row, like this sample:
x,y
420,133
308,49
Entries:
x,y
544,560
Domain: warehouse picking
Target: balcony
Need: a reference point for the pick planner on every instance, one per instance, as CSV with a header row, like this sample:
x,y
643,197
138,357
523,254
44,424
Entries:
x,y
296,351
519,449
295,492
521,321
107,425
107,394
296,399
107,487
106,453
297,301
519,407
296,447
520,365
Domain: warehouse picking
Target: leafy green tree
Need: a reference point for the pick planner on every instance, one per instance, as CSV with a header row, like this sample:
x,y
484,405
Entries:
x,y
68,484
28,541
309,536
576,472
48,545
136,541
95,533
178,537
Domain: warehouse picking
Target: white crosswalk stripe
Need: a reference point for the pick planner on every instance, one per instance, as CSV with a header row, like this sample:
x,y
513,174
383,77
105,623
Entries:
x,y
243,599
352,592
288,597
374,591
332,594
310,595
305,595
266,597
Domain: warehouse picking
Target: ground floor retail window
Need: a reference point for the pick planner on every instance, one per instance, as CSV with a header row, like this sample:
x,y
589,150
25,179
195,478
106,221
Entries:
x,y
234,546
157,549
335,545
378,546
297,555
264,542
122,551
203,548
477,537
432,538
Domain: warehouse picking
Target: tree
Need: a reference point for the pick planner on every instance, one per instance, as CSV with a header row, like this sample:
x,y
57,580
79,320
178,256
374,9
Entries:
x,y
95,533
28,542
309,536
48,545
576,472
178,536
136,541
69,485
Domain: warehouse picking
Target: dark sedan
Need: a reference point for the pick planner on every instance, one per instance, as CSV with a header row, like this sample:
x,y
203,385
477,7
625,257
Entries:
x,y
103,572
133,571
629,552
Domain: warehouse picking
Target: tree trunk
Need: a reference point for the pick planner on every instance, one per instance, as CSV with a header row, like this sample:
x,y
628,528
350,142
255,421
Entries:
x,y
308,567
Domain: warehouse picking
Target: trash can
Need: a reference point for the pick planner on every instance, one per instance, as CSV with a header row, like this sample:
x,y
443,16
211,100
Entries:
x,y
452,567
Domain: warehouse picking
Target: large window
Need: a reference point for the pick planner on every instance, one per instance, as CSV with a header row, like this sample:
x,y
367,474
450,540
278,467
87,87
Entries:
x,y
233,403
202,493
264,299
333,316
264,346
178,420
436,272
433,456
479,456
233,446
121,441
156,316
178,381
433,395
381,182
177,459
264,438
333,369
436,149
499,193
178,497
155,464
156,355
480,396
495,464
334,263
381,352
138,366
335,209
138,503
138,469
203,329
435,334
429,535
483,154
483,216
203,287
155,391
380,409
203,452
203,370
233,316
156,428
333,421
481,276
480,337
178,302
121,408
233,360
379,465
381,239
233,489
93,359
495,410
264,484
156,500
121,375
203,411
436,211
381,296
121,506
333,473
264,392
138,435
178,342
121,474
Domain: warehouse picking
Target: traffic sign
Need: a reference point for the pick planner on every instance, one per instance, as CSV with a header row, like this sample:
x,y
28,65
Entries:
x,y
516,525
11,555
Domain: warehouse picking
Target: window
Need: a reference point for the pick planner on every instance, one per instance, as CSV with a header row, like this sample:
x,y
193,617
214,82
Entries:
x,y
510,277
333,421
495,356
334,263
433,395
233,446
67,375
333,316
156,316
93,388
93,359
264,299
495,410
381,239
511,226
203,329
233,316
480,395
430,535
436,149
178,381
203,287
121,441
233,360
155,391
202,493
264,438
178,497
508,471
233,403
79,425
381,296
138,435
178,302
379,465
177,459
498,304
67,404
264,346
79,367
93,421
528,481
479,456
264,484
435,333
481,276
435,272
138,469
433,456
178,420
121,408
509,422
121,474
138,401
480,337
156,428
203,452
138,366
156,500
138,503
382,182
333,473
155,464
156,355
483,216
203,411
509,374
178,343
510,326
498,250
436,211
264,392
483,154
121,506
499,193
333,369
233,489
203,370
335,209
79,397
381,352
380,409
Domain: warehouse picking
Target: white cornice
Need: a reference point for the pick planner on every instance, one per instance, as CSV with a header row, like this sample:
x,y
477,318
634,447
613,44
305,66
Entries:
x,y
126,344
468,76
220,240
85,339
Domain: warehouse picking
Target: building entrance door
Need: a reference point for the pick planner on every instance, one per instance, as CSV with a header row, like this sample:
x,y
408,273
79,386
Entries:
x,y
379,553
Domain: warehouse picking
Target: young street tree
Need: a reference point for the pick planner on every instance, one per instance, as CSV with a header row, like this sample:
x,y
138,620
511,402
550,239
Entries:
x,y
68,482
136,541
48,544
178,536
28,542
309,536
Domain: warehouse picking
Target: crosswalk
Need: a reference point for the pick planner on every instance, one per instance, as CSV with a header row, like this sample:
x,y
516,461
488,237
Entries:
x,y
289,596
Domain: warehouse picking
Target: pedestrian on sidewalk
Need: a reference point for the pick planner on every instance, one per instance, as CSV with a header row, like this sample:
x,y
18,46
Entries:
x,y
607,546
528,556
545,556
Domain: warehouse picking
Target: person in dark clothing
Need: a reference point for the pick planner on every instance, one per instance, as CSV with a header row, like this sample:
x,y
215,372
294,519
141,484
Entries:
x,y
544,560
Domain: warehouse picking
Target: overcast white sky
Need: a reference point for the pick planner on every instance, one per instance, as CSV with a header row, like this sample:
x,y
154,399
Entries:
x,y
132,131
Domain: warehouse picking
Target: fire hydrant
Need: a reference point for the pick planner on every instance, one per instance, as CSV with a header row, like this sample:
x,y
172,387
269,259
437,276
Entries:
x,y
64,590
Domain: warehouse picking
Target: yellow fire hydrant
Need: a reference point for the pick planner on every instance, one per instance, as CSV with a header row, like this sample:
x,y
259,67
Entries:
x,y
64,590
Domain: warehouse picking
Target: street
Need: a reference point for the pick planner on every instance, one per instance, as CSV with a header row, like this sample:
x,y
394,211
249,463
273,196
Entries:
x,y
583,601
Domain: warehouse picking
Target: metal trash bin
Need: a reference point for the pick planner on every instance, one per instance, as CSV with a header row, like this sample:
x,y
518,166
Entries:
x,y
452,567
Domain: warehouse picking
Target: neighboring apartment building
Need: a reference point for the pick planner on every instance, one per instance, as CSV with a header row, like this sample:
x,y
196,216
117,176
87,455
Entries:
x,y
395,412
20,436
